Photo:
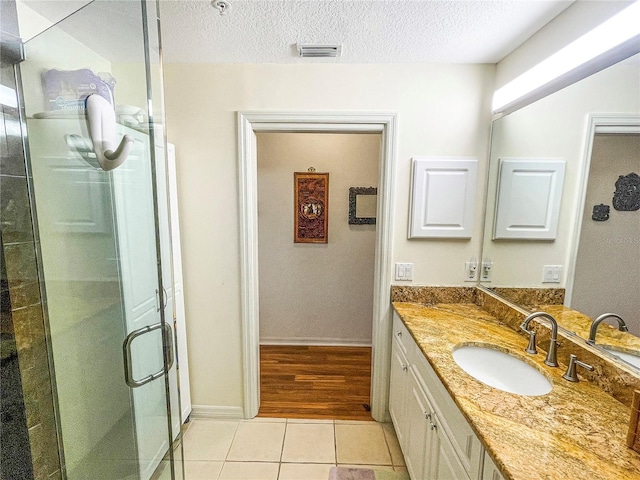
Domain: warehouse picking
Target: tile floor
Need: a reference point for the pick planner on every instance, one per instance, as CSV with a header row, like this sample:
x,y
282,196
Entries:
x,y
286,449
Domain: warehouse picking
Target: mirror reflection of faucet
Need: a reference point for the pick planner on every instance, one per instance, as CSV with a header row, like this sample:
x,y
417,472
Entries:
x,y
552,355
622,326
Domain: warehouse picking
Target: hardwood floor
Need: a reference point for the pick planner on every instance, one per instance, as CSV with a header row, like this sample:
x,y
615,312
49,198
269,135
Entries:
x,y
315,382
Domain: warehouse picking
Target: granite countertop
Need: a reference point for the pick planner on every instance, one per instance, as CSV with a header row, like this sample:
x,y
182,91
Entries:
x,y
576,431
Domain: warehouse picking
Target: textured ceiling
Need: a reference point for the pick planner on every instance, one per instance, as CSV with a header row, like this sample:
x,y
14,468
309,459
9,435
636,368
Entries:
x,y
266,31
379,31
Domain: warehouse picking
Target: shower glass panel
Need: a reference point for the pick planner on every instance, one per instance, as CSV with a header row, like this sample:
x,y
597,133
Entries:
x,y
105,245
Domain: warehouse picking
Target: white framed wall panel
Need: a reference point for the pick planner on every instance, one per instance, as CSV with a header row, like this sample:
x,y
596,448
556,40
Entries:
x,y
529,194
442,197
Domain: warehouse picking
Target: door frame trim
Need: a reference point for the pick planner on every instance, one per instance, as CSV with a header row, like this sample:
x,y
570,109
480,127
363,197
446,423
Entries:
x,y
249,123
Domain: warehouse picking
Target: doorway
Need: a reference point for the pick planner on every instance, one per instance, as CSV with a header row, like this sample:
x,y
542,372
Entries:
x,y
249,124
606,242
609,248
316,299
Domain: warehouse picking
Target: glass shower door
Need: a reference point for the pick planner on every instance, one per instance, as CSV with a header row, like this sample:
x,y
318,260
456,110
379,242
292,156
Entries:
x,y
102,236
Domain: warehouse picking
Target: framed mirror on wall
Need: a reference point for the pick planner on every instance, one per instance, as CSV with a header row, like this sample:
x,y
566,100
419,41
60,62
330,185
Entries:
x,y
363,204
591,263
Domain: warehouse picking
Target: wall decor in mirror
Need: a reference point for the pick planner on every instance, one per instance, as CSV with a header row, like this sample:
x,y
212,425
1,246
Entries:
x,y
592,265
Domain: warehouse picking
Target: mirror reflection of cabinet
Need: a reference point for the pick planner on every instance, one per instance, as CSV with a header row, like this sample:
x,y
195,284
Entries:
x,y
564,125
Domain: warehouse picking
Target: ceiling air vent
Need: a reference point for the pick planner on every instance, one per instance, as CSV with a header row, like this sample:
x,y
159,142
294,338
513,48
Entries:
x,y
319,51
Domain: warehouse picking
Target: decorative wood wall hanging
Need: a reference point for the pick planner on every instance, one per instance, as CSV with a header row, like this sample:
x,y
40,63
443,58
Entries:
x,y
362,205
311,216
627,195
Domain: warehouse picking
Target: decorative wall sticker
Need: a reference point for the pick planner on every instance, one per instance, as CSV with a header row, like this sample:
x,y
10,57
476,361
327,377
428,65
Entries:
x,y
311,202
627,195
600,212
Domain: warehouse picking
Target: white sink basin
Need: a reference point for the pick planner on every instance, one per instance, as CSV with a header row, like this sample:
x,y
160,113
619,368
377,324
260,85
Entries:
x,y
501,370
627,357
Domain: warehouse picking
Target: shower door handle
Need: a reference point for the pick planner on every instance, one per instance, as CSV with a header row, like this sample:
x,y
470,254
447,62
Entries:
x,y
167,349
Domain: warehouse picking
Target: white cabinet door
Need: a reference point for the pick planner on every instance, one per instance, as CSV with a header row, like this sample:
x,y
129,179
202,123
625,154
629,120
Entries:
x,y
398,391
529,194
419,413
444,462
442,197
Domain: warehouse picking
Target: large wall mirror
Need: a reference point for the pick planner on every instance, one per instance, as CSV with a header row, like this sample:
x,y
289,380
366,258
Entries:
x,y
592,253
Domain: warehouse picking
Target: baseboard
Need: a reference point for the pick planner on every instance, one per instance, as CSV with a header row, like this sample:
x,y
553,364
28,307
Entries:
x,y
324,342
216,412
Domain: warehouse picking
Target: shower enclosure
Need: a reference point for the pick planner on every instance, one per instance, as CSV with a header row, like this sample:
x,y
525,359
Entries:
x,y
104,236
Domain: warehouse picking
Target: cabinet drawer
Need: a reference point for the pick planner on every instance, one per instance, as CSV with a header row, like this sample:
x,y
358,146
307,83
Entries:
x,y
401,334
456,427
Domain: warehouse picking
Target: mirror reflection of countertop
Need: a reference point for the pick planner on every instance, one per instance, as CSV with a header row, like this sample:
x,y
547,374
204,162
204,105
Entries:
x,y
580,324
575,431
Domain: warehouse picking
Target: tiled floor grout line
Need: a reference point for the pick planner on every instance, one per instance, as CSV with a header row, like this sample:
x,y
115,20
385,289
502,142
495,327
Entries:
x,y
284,439
335,443
235,432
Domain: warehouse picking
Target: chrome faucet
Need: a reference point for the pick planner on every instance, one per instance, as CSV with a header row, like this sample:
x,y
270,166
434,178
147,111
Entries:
x,y
552,354
594,326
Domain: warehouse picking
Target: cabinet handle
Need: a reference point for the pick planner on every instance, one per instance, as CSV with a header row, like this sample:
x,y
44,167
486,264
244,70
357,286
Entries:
x,y
427,416
404,367
399,333
433,426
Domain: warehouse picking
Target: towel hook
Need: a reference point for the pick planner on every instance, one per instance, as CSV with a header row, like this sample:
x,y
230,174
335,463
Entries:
x,y
101,120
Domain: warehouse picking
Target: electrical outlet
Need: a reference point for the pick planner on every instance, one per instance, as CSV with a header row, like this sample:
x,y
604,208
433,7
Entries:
x,y
404,271
470,271
485,272
551,273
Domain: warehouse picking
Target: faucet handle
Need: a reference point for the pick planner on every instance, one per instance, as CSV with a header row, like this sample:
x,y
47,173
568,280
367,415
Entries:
x,y
571,374
531,348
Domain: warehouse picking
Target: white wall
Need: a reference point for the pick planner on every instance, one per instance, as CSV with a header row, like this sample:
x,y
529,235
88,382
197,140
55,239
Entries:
x,y
443,110
581,17
315,293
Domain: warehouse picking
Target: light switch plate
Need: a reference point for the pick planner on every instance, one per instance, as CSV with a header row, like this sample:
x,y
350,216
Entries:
x,y
404,271
551,273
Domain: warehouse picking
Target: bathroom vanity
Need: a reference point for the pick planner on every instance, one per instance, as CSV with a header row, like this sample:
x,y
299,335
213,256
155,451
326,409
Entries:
x,y
435,437
452,426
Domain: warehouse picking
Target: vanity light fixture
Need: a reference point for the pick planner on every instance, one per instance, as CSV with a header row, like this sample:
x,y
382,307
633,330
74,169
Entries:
x,y
610,42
